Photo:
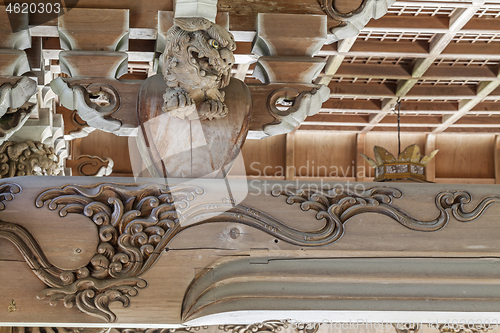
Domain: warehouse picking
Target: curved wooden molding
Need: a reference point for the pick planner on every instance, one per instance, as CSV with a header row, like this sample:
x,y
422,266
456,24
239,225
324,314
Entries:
x,y
356,20
311,289
77,98
305,104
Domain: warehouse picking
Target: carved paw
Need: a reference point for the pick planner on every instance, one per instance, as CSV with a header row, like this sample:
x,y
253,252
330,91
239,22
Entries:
x,y
178,103
213,109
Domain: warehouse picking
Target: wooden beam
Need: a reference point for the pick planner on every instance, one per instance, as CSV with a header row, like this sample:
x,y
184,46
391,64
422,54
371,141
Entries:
x,y
333,63
465,105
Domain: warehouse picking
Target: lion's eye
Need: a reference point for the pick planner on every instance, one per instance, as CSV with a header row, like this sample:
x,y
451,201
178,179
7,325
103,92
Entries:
x,y
214,44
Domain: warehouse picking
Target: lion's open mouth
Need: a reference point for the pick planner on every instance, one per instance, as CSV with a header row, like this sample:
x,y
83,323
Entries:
x,y
209,65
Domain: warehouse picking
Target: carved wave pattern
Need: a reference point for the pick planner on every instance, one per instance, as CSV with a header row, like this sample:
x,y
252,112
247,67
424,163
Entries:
x,y
135,224
338,205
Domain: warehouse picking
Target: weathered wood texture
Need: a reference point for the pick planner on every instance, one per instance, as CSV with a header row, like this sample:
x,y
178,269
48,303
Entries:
x,y
69,242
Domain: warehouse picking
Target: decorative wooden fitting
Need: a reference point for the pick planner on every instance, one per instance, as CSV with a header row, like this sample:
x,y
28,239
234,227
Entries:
x,y
196,64
287,104
295,107
287,41
356,20
28,159
86,165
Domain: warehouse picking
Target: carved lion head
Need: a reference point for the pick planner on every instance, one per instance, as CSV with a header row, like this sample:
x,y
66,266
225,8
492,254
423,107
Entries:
x,y
28,158
198,55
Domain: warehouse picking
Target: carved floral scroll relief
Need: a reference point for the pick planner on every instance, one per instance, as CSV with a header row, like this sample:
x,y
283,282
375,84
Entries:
x,y
137,222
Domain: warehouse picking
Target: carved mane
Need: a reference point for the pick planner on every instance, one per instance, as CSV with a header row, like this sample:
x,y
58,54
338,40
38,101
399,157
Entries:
x,y
28,158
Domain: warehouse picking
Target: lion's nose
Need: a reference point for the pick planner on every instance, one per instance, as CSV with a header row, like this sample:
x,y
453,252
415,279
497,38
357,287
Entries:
x,y
227,56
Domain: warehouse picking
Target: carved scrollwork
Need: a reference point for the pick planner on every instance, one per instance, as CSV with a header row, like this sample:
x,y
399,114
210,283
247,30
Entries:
x,y
135,225
28,158
137,222
270,326
460,328
7,191
14,111
300,106
339,204
95,105
91,166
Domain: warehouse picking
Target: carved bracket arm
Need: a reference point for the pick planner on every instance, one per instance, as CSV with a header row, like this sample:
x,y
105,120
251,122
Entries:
x,y
97,112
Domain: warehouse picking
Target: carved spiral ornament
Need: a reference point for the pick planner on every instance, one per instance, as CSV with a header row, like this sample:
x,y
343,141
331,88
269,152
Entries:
x,y
7,192
137,222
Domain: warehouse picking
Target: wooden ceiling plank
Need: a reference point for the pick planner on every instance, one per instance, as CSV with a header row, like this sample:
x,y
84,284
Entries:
x,y
436,46
465,105
380,71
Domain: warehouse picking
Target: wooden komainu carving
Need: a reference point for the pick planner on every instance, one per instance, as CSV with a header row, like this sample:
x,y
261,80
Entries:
x,y
28,158
196,64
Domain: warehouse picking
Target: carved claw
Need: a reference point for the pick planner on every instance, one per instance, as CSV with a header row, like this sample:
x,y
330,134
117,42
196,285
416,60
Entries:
x,y
179,103
211,109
